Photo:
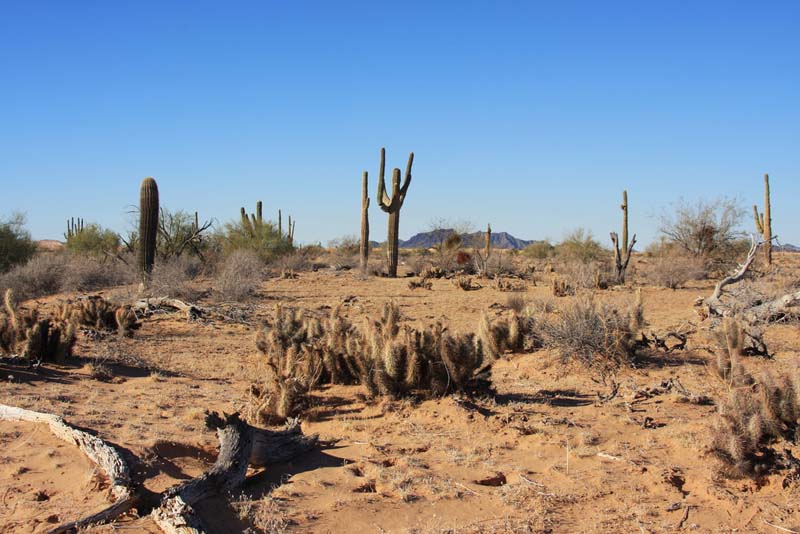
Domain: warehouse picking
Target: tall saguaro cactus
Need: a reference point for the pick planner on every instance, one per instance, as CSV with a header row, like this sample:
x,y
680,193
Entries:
x,y
764,222
622,256
148,226
392,205
364,248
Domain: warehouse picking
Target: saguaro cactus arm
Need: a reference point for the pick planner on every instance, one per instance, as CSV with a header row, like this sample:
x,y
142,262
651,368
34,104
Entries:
x,y
394,203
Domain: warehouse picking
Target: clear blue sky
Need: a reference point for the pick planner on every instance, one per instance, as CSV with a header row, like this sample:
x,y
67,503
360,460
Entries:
x,y
530,115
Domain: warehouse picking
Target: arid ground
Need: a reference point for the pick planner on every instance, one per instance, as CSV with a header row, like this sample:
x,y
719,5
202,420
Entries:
x,y
546,453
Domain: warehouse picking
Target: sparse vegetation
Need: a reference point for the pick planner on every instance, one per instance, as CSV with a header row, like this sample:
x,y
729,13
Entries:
x,y
239,276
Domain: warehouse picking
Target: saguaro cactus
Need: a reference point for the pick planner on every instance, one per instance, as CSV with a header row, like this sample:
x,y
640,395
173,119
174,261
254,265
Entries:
x,y
148,226
764,222
392,205
622,256
74,227
364,249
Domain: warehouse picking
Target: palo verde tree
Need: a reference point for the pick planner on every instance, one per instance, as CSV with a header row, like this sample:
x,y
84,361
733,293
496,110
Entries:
x,y
392,205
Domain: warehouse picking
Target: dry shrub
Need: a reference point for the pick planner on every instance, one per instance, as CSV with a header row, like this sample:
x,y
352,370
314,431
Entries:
x,y
504,284
42,275
240,275
174,277
598,336
591,275
86,273
674,270
516,303
562,288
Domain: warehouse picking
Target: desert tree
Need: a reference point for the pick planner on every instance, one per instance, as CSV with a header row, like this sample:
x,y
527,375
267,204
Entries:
x,y
705,228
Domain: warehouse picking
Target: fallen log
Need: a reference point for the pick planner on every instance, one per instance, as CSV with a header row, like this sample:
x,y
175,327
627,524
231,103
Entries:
x,y
98,451
147,305
240,445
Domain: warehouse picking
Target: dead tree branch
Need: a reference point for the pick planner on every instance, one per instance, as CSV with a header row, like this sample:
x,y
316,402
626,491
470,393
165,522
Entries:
x,y
98,451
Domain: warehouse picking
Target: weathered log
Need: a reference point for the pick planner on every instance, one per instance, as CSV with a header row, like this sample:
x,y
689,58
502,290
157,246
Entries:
x,y
774,308
147,305
98,451
240,445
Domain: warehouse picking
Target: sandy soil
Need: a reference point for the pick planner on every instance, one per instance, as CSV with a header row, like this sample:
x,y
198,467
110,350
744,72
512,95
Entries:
x,y
567,462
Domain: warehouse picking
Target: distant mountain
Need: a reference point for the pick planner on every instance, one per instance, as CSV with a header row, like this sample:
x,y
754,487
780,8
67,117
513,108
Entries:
x,y
436,237
786,248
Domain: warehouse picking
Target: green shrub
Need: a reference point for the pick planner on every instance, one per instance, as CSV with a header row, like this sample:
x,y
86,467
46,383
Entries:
x,y
16,246
263,239
580,245
93,240
538,250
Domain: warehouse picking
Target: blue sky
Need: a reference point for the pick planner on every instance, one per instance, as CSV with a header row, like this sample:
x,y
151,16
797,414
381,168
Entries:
x,y
530,115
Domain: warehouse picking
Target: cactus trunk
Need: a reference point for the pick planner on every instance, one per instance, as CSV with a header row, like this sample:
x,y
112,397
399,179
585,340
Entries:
x,y
622,251
392,243
364,248
392,205
624,220
767,222
148,226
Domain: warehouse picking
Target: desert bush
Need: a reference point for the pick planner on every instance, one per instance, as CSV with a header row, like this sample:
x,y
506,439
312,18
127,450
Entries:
x,y
423,283
705,229
263,239
598,336
581,246
673,270
42,275
16,246
175,276
239,276
587,275
179,233
93,240
516,303
539,250
88,273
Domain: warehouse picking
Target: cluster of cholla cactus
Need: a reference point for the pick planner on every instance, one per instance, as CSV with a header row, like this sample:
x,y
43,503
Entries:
x,y
23,333
387,358
764,222
754,412
98,313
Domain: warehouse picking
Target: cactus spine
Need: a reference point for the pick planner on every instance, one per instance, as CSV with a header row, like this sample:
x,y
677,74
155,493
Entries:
x,y
148,226
392,205
364,248
764,222
622,256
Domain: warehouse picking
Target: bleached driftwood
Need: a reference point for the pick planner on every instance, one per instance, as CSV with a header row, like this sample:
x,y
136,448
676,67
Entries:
x,y
98,451
147,305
